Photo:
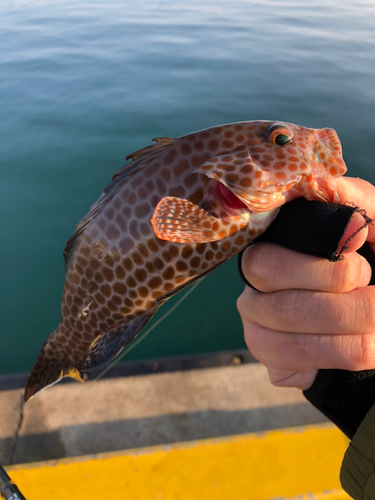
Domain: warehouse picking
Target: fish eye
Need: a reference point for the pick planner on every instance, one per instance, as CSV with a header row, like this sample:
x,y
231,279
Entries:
x,y
279,135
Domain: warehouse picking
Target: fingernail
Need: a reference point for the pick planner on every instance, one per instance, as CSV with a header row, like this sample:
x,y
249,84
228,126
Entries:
x,y
365,273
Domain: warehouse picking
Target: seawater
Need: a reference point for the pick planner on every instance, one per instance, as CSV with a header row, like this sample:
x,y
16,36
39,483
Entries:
x,y
83,84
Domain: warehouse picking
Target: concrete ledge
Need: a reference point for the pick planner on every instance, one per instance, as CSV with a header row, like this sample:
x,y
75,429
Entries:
x,y
122,413
148,367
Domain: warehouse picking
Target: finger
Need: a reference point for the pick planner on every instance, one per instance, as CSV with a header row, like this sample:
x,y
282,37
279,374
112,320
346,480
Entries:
x,y
287,378
360,193
355,234
269,268
291,352
304,311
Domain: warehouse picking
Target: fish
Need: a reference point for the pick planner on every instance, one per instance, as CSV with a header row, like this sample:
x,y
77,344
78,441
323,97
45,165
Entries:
x,y
178,210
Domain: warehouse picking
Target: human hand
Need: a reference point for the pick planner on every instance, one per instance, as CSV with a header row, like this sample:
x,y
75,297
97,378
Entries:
x,y
313,313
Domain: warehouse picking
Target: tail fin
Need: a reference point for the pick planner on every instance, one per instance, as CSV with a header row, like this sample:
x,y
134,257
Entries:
x,y
48,370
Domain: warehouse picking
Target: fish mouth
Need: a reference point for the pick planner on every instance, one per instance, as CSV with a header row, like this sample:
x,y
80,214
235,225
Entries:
x,y
228,199
329,138
235,203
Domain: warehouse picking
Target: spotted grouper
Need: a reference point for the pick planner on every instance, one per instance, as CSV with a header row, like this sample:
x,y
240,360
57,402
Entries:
x,y
177,211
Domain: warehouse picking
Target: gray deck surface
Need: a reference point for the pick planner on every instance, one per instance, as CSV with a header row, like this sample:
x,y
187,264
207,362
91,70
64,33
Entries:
x,y
130,412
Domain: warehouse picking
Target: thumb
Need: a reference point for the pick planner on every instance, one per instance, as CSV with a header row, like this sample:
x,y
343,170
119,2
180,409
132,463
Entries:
x,y
361,194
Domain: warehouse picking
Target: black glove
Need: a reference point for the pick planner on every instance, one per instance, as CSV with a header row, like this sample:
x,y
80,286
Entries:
x,y
317,228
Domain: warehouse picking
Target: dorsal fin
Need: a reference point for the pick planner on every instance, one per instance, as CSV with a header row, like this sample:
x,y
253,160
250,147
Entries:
x,y
73,240
160,141
140,159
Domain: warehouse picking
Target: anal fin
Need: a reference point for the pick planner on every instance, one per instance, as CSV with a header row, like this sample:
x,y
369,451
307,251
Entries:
x,y
109,345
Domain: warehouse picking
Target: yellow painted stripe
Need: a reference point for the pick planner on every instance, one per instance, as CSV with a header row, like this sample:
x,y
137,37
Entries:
x,y
300,463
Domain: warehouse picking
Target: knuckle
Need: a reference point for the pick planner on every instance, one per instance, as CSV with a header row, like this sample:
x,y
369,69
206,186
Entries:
x,y
252,340
307,348
245,303
345,274
240,304
363,353
364,310
291,307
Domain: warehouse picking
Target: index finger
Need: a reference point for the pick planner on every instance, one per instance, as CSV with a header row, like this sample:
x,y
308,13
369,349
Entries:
x,y
362,194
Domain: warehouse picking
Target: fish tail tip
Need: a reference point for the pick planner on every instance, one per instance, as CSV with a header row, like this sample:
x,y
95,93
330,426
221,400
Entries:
x,y
48,372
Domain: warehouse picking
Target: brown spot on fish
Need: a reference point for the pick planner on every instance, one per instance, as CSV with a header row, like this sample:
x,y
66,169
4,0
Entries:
x,y
145,228
106,290
134,231
185,149
142,249
198,145
231,178
245,182
168,159
279,165
109,213
187,251
137,258
142,193
120,272
121,222
209,255
158,264
213,145
140,275
126,244
240,240
100,298
108,274
73,278
120,288
128,264
200,249
166,174
225,246
169,273
143,291
98,277
228,144
117,299
181,266
194,262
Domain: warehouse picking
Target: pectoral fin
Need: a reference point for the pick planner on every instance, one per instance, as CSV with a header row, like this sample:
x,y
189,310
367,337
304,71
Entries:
x,y
181,221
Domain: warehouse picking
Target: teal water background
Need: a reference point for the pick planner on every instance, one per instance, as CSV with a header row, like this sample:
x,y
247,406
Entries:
x,y
83,84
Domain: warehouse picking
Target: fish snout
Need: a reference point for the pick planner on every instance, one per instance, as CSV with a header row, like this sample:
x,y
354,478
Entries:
x,y
329,151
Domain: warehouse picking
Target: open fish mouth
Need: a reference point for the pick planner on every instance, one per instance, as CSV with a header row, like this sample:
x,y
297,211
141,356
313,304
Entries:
x,y
228,199
233,202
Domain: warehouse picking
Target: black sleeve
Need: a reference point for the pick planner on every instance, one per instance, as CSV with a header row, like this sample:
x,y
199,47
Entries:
x,y
317,229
